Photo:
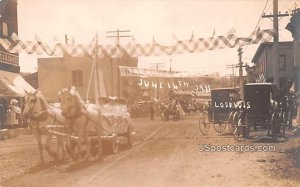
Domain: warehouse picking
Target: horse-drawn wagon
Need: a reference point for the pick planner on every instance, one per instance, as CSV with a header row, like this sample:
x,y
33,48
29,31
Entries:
x,y
265,108
104,122
218,109
77,124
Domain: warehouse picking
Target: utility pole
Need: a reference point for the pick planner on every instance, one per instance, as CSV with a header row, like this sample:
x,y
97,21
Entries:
x,y
170,75
118,36
232,66
275,17
240,66
157,65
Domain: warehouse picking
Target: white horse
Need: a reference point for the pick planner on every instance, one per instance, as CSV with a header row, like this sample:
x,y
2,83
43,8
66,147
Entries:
x,y
44,120
81,121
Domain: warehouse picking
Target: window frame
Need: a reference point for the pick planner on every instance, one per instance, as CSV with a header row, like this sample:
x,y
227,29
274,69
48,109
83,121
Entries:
x,y
77,78
282,64
5,25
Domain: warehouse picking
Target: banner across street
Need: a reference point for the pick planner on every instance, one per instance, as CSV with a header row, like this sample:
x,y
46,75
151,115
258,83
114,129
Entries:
x,y
133,48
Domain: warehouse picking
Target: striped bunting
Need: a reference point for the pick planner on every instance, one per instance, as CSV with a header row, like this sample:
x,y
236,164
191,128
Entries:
x,y
134,49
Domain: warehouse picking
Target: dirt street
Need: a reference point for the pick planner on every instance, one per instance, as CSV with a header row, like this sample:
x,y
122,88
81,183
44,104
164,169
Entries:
x,y
172,153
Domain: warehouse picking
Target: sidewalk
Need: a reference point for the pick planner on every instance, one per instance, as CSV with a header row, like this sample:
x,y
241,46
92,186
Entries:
x,y
13,133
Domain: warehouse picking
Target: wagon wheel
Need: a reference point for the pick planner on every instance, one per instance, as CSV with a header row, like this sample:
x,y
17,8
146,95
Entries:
x,y
232,121
204,123
284,123
164,117
219,127
275,125
239,132
230,127
113,145
129,135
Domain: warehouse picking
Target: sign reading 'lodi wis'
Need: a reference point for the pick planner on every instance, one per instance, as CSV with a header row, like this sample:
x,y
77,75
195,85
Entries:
x,y
232,105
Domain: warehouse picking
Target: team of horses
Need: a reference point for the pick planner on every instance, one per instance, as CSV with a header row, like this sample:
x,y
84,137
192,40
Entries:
x,y
75,125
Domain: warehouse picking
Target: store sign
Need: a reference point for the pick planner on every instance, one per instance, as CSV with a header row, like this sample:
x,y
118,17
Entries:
x,y
9,58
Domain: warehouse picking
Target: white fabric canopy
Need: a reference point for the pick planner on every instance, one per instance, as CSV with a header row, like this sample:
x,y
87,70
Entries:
x,y
13,84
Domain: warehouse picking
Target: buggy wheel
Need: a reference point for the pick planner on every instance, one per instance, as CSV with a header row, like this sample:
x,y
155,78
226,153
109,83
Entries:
x,y
219,127
204,123
275,125
239,132
230,127
113,145
232,121
230,118
164,117
284,123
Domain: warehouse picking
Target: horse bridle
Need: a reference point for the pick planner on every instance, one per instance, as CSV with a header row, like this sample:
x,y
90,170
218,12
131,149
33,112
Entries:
x,y
69,108
34,101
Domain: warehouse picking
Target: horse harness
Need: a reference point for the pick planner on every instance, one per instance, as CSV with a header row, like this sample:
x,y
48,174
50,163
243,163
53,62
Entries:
x,y
78,113
43,115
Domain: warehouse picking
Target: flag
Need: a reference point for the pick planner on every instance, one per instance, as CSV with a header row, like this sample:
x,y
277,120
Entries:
x,y
214,33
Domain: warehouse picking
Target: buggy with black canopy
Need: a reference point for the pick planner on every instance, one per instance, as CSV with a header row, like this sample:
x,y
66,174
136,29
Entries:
x,y
265,108
218,110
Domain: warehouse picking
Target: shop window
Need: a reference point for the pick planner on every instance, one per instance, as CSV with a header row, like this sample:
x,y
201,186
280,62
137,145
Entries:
x,y
5,29
77,78
282,62
283,83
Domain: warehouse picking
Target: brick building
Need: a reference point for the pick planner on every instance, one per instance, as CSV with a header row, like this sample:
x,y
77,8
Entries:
x,y
57,73
263,60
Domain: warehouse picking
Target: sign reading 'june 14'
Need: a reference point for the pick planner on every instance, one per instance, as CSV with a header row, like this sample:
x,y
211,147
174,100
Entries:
x,y
174,85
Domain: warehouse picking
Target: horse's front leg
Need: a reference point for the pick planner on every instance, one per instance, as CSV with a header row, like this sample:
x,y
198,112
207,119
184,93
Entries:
x,y
99,153
61,146
69,146
87,141
47,146
38,138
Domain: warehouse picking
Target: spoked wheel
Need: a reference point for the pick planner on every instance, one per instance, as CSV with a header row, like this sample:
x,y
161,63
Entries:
x,y
240,132
164,117
231,127
112,145
219,127
204,123
284,124
275,125
233,121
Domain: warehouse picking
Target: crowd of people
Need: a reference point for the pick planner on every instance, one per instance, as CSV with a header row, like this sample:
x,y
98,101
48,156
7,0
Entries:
x,y
11,113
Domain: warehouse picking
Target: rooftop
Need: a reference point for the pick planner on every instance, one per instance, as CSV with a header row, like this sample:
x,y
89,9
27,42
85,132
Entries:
x,y
264,45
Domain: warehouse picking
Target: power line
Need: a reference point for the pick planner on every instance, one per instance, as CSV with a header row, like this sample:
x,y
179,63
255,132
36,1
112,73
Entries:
x,y
258,22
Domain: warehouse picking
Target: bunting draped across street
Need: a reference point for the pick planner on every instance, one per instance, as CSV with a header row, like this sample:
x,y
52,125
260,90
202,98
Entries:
x,y
134,49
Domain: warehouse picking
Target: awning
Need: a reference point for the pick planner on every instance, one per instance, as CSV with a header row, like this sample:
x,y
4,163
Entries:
x,y
13,84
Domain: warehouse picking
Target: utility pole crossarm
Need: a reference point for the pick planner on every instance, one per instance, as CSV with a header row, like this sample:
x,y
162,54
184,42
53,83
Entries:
x,y
118,36
275,39
272,16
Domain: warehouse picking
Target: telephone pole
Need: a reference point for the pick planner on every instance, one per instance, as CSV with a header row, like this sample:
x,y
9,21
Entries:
x,y
241,66
118,36
157,65
232,66
275,17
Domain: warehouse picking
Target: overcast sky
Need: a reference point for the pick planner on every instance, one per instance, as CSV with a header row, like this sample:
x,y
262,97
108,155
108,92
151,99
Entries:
x,y
146,19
